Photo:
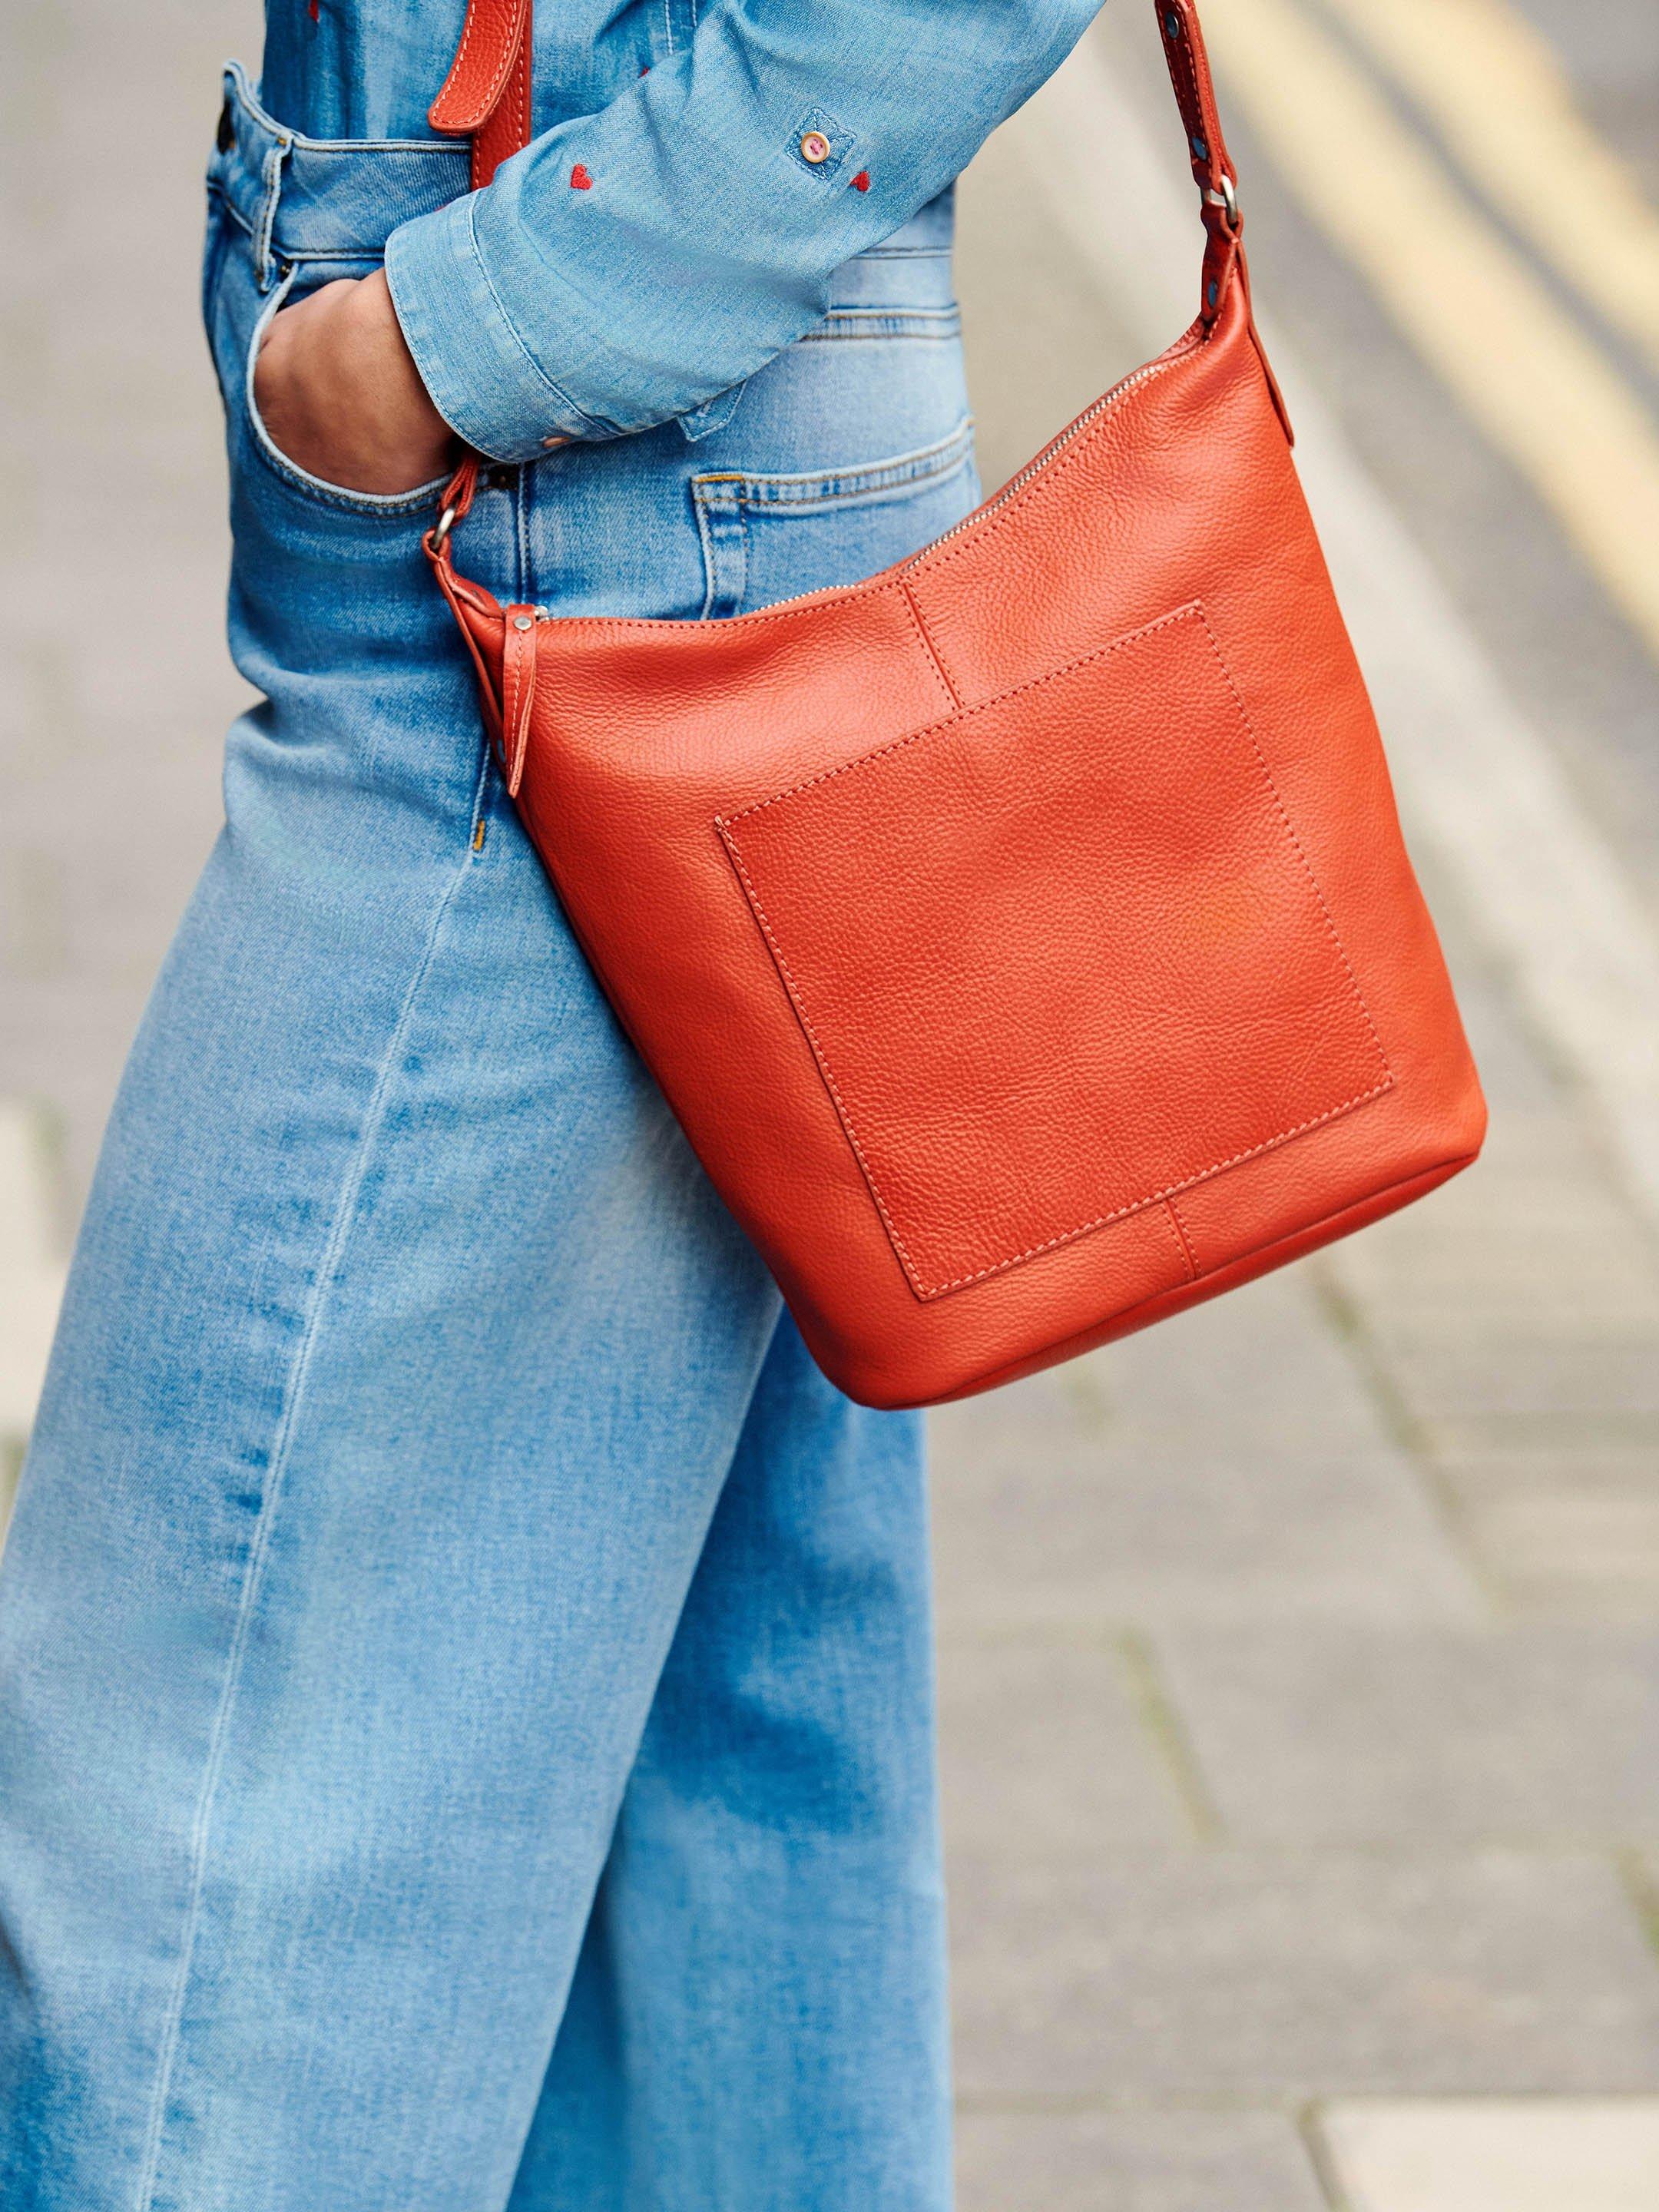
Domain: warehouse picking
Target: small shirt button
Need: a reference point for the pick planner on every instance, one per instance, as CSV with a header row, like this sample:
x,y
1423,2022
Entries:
x,y
815,148
550,442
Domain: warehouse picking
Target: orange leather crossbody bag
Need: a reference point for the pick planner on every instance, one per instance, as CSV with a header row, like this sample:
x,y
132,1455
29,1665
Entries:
x,y
1025,937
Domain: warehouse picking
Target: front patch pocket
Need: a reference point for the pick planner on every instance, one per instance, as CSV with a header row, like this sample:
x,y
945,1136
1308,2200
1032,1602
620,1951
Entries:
x,y
1058,958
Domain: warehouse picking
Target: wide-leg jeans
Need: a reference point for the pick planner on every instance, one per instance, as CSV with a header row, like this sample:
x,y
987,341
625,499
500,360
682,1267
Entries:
x,y
465,1694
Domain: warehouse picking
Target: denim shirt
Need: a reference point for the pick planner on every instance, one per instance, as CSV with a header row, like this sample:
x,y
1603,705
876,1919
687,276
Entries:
x,y
696,181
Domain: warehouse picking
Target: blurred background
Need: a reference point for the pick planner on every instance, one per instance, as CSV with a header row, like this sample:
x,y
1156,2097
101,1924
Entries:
x,y
1301,1658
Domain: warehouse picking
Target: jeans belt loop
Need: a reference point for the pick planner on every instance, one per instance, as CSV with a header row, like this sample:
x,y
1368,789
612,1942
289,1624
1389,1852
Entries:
x,y
264,265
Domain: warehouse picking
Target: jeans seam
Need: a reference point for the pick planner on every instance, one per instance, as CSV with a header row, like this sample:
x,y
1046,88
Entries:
x,y
709,514
345,1220
809,491
855,491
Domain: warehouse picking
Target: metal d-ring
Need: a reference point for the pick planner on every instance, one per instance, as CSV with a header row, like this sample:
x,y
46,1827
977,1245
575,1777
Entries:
x,y
1227,197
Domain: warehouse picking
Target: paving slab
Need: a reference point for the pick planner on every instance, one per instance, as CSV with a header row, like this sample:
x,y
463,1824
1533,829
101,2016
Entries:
x,y
1496,2154
1243,1975
1262,1369
1234,1462
1348,1735
1565,1532
116,486
1065,1408
1544,1385
1044,1746
1036,1530
1521,1303
1151,2161
1541,1246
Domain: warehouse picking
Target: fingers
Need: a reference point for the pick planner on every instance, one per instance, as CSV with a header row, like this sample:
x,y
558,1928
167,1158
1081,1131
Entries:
x,y
339,394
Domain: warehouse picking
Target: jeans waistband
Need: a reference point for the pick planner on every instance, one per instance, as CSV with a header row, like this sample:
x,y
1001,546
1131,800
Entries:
x,y
321,199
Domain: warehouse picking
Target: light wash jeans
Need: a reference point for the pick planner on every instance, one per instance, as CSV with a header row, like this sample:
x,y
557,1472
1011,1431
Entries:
x,y
465,1699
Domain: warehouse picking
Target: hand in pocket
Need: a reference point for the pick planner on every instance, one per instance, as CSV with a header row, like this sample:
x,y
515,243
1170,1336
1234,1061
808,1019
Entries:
x,y
339,395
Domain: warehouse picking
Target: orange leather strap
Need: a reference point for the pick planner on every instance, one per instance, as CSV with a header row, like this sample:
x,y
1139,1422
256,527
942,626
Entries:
x,y
486,95
519,667
1207,149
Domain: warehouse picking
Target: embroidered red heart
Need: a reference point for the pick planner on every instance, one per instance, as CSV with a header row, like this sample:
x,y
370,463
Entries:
x,y
579,180
861,182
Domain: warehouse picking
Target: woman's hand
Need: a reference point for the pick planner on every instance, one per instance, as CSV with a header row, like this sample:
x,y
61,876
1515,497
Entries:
x,y
339,393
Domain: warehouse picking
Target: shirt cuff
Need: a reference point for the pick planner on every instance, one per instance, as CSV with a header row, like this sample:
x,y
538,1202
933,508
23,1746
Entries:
x,y
491,392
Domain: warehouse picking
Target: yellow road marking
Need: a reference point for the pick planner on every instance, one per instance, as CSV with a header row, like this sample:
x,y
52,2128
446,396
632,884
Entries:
x,y
1518,364
1493,87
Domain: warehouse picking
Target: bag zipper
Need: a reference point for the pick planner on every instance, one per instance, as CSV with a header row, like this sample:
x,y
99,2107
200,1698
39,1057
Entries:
x,y
1183,345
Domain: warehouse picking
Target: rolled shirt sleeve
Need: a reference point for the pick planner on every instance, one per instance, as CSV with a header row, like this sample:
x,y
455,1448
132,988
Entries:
x,y
629,264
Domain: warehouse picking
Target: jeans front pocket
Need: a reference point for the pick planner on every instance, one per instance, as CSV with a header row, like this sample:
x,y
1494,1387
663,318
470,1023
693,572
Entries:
x,y
769,537
238,314
295,281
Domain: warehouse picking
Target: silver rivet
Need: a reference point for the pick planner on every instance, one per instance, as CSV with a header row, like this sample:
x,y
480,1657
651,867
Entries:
x,y
524,622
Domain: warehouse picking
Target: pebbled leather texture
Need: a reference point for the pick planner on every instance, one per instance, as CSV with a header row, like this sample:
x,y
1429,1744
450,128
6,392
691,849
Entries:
x,y
954,886
1025,937
486,95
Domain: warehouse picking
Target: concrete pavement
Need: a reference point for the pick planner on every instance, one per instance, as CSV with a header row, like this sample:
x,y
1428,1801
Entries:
x,y
1300,1659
